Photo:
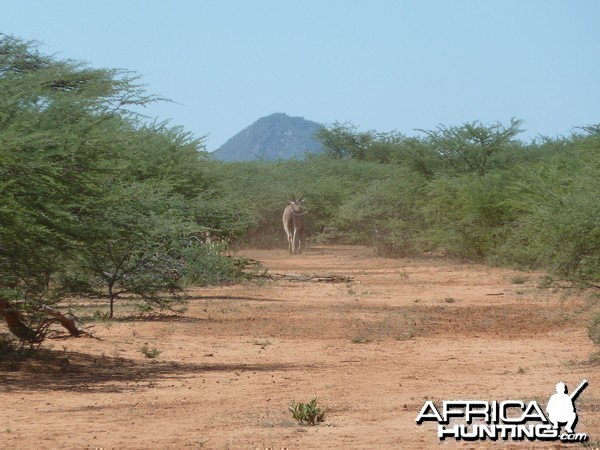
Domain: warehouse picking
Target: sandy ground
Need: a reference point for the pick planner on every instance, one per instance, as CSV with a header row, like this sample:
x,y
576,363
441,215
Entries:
x,y
372,351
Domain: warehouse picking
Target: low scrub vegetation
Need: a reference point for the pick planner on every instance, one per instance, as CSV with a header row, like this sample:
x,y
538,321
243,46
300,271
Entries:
x,y
473,192
150,352
307,413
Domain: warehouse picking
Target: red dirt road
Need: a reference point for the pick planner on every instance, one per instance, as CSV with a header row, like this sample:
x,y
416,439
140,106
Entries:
x,y
372,350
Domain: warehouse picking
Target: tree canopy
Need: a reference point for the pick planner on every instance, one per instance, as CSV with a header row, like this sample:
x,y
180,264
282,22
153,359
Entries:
x,y
93,195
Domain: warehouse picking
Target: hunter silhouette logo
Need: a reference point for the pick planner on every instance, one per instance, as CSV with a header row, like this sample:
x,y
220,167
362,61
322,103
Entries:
x,y
472,420
561,408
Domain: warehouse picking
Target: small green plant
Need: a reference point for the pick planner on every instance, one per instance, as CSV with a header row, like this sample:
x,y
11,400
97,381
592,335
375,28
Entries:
x,y
360,340
150,352
519,279
307,413
450,300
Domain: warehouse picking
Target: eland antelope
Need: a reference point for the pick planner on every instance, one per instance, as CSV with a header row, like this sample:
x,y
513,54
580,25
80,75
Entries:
x,y
293,224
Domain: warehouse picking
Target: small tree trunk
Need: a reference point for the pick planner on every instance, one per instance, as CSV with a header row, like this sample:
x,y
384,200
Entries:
x,y
111,296
15,324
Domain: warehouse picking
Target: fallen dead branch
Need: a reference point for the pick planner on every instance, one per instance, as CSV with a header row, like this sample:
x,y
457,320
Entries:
x,y
306,278
68,322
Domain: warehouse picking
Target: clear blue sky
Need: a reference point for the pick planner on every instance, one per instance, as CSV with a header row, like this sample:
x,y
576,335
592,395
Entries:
x,y
380,64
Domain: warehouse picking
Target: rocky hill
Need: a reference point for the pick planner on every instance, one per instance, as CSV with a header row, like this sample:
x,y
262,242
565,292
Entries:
x,y
277,136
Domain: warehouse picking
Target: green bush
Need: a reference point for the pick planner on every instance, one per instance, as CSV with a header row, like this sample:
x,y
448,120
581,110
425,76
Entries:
x,y
307,413
150,352
466,215
558,207
205,265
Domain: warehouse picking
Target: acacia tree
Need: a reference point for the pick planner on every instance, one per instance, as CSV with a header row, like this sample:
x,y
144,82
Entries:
x,y
84,180
344,140
134,234
49,162
470,148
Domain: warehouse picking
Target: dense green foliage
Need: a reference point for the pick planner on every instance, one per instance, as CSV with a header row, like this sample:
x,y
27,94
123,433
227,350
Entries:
x,y
93,198
472,191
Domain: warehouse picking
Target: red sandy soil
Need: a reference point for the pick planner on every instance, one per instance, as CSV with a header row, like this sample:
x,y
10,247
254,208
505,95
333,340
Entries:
x,y
372,351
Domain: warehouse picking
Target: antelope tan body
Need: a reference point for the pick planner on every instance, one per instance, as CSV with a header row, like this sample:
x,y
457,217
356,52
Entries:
x,y
293,224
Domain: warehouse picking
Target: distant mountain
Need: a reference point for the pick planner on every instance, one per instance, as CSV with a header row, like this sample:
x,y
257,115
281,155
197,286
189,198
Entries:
x,y
273,137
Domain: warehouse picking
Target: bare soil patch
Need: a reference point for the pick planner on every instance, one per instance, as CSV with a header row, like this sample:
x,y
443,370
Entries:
x,y
372,350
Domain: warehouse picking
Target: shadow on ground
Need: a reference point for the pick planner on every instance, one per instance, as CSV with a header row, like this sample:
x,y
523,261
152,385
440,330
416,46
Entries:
x,y
73,371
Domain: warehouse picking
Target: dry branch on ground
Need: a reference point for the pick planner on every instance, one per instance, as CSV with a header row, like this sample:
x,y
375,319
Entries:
x,y
307,278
